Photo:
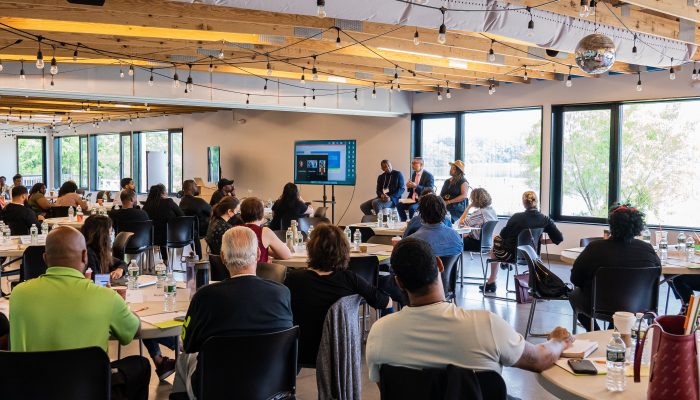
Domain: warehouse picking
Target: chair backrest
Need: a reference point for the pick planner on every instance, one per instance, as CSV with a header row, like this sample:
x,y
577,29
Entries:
x,y
306,222
528,237
369,218
449,275
180,231
260,366
367,267
63,374
400,383
33,264
281,235
57,212
218,271
585,241
272,271
365,232
321,212
105,195
119,245
625,289
142,237
380,239
487,234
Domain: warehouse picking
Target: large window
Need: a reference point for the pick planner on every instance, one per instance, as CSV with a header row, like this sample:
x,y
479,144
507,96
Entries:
x,y
160,159
84,174
126,155
108,162
31,159
502,151
67,165
438,145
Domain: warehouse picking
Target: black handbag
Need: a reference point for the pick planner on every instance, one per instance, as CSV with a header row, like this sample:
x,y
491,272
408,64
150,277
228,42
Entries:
x,y
546,283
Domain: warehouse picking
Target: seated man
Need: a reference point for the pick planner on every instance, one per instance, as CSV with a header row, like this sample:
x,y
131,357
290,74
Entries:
x,y
17,216
62,310
127,213
432,333
241,305
421,181
390,186
197,207
125,184
444,240
225,188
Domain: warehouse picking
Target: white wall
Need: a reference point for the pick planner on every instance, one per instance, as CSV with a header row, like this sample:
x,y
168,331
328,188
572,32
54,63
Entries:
x,y
656,85
8,157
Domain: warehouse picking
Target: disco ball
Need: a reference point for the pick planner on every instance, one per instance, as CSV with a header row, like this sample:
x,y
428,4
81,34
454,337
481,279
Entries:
x,y
595,54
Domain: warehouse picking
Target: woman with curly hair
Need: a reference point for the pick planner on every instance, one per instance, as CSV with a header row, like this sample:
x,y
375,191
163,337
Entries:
x,y
480,200
621,250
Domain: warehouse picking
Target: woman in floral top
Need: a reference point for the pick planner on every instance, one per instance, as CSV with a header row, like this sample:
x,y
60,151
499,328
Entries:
x,y
221,217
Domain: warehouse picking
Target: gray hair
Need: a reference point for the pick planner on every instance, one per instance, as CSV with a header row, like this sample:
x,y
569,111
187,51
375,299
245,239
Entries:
x,y
239,248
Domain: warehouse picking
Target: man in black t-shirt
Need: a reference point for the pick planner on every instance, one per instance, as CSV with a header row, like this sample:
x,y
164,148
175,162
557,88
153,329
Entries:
x,y
127,213
17,216
241,305
225,189
198,208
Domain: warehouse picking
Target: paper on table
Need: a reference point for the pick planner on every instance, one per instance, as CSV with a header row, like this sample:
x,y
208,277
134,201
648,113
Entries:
x,y
180,295
147,280
381,253
26,239
601,367
165,320
407,201
134,297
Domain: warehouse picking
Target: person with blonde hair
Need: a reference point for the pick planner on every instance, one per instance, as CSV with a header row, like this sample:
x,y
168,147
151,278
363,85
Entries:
x,y
505,244
480,200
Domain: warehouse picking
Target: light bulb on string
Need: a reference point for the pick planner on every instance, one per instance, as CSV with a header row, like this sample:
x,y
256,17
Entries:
x,y
75,52
583,10
439,93
695,72
247,99
190,83
221,54
391,89
447,90
151,80
52,83
176,80
54,66
492,54
634,46
269,67
639,81
374,90
131,69
1,66
672,72
442,31
314,71
525,77
337,39
22,76
211,66
416,38
303,79
304,101
39,56
313,94
121,72
265,87
530,24
356,99
321,8
592,8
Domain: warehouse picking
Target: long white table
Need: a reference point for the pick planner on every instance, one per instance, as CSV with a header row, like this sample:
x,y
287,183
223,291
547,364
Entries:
x,y
299,259
399,229
65,221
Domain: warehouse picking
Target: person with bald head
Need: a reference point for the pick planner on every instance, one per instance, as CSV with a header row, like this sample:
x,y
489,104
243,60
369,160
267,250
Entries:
x,y
63,310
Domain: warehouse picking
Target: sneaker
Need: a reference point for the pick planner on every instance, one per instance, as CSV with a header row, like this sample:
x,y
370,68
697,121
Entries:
x,y
489,288
165,368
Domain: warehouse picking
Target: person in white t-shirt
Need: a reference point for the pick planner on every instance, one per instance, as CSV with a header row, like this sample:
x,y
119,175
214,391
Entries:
x,y
432,333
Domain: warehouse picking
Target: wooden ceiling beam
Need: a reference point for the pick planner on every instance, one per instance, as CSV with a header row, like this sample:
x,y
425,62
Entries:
x,y
674,8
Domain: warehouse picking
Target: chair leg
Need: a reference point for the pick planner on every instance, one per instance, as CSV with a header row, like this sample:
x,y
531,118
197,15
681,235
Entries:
x,y
530,317
461,269
668,293
574,326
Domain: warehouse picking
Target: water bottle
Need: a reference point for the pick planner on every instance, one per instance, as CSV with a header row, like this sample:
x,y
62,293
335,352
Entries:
x,y
311,229
357,239
646,235
34,233
132,276
44,228
93,211
615,354
299,241
448,216
161,271
289,239
79,213
663,250
680,246
6,234
348,234
71,214
639,331
380,218
690,248
169,292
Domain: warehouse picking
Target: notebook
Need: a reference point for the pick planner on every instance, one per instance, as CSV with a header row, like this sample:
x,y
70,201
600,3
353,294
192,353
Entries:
x,y
580,349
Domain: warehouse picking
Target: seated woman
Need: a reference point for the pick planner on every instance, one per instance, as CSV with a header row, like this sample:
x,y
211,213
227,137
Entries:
x,y
97,230
221,216
315,289
454,190
68,196
160,209
481,200
290,206
621,250
37,199
504,245
253,214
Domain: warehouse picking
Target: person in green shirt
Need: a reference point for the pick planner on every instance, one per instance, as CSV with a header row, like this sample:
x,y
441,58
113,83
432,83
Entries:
x,y
62,310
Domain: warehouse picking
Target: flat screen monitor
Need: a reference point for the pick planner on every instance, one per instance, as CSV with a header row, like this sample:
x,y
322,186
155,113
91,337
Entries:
x,y
325,162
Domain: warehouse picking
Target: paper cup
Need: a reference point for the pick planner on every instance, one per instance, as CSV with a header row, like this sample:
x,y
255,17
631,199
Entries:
x,y
624,321
121,290
363,249
395,240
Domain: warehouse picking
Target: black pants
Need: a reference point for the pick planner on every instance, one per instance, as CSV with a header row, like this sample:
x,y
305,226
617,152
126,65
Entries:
x,y
131,379
683,286
471,244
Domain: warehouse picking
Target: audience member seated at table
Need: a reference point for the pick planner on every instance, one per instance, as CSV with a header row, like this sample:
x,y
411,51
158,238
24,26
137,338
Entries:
x,y
421,180
390,187
128,212
416,222
198,208
454,190
62,310
17,216
433,333
221,217
504,244
124,184
253,214
68,196
97,231
315,289
37,200
444,240
160,209
4,332
16,181
241,305
480,199
621,250
683,286
226,188
290,206
4,187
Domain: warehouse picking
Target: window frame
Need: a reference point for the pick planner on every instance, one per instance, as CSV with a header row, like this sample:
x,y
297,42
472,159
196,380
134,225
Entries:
x,y
44,160
136,166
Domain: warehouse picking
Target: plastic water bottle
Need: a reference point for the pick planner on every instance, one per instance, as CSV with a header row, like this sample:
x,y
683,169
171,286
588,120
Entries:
x,y
132,276
289,239
299,241
71,214
639,331
169,292
348,233
93,211
311,229
44,228
663,249
615,354
161,271
690,248
357,239
680,245
34,233
380,218
646,235
6,234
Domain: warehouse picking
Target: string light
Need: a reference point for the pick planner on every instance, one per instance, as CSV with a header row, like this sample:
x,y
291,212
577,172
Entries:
x,y
304,101
1,66
121,71
492,54
634,46
52,83
525,77
639,81
321,8
54,66
22,76
569,83
269,67
40,55
531,24
374,90
247,99
75,52
302,80
131,69
447,90
416,38
265,87
672,71
442,31
584,11
151,80
314,71
591,8
211,64
176,79
695,72
313,94
189,86
337,39
439,93
221,54
356,99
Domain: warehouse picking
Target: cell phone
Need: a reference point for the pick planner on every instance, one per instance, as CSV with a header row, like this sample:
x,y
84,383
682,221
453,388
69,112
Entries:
x,y
102,280
180,318
583,367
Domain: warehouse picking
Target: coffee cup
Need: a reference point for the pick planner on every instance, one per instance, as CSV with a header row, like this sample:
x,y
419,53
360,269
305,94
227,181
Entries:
x,y
363,248
395,240
624,322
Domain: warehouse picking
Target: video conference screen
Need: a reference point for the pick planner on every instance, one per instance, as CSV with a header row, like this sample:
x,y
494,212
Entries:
x,y
324,162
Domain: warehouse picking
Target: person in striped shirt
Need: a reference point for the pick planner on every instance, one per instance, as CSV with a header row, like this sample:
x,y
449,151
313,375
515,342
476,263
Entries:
x,y
481,213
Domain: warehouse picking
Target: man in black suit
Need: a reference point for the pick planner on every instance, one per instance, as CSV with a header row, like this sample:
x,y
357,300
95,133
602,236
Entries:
x,y
198,208
17,216
241,305
420,180
127,213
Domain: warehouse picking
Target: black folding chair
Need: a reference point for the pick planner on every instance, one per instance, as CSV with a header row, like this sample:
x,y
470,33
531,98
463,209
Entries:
x,y
526,237
180,232
33,264
586,241
449,275
368,218
64,374
57,212
366,267
119,245
271,271
218,271
486,243
306,222
249,367
365,232
141,240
